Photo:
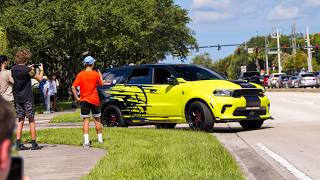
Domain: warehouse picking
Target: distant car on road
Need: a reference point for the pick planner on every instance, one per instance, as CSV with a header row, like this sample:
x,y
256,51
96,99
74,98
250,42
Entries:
x,y
251,76
307,80
292,82
273,80
283,79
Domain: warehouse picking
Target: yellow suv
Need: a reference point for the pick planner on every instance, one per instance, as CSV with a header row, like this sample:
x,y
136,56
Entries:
x,y
164,95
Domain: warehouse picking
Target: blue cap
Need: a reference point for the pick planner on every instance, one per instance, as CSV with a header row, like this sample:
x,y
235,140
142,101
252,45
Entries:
x,y
89,60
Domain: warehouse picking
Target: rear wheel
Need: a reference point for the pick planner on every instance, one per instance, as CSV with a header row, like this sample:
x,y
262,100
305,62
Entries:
x,y
199,116
166,126
112,116
253,124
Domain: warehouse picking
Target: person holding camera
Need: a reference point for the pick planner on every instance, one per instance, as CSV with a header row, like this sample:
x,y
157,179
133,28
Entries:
x,y
6,81
88,80
23,95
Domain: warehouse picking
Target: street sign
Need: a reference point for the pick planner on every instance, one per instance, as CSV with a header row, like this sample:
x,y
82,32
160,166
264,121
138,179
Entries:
x,y
273,52
243,69
250,50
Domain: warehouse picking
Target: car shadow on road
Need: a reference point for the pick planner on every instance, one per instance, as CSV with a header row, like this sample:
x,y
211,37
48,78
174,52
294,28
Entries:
x,y
226,129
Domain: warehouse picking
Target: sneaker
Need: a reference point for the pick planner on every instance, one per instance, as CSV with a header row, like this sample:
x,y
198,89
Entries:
x,y
86,145
35,146
21,147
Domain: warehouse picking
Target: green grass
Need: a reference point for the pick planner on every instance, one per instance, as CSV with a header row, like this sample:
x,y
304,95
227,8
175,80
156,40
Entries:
x,y
152,154
61,106
71,117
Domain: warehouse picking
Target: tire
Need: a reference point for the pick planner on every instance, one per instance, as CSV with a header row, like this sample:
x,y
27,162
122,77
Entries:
x,y
199,116
166,126
253,124
112,116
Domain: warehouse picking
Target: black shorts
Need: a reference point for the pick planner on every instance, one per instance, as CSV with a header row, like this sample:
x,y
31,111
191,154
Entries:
x,y
86,108
25,110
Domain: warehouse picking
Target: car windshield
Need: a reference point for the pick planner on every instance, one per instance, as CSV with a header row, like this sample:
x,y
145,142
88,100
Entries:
x,y
196,73
250,74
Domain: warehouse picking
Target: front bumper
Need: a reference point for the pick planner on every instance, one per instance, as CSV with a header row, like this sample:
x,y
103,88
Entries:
x,y
230,109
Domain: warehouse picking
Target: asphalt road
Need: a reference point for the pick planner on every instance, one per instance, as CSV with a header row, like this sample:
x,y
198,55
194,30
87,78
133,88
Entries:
x,y
288,145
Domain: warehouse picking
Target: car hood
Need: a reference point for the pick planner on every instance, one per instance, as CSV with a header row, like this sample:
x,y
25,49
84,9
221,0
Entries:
x,y
222,84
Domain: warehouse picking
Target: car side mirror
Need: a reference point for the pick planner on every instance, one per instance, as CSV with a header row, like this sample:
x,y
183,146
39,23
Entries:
x,y
172,81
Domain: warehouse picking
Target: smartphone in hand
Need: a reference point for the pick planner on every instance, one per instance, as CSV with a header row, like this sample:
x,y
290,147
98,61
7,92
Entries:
x,y
16,169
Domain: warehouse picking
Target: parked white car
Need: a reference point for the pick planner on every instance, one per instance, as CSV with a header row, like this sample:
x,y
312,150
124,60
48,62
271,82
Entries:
x,y
307,80
273,80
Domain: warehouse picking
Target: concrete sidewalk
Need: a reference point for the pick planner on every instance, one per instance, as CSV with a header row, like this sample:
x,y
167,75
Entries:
x,y
60,161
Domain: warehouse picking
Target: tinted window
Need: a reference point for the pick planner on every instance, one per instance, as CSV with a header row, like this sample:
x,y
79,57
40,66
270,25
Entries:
x,y
114,76
276,75
195,73
307,75
161,75
294,77
140,76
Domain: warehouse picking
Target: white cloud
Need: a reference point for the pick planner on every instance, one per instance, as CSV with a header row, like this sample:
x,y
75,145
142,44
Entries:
x,y
284,13
210,16
211,4
313,2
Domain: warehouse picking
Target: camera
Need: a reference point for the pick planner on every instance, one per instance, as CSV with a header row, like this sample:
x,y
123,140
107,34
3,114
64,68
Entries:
x,y
16,169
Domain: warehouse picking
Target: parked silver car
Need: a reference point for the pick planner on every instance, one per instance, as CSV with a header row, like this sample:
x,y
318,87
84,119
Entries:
x,y
292,82
307,80
273,80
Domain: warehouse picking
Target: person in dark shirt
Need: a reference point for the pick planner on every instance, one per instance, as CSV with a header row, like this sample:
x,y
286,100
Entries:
x,y
23,95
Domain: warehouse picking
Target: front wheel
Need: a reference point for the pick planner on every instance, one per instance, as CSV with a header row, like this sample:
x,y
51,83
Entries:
x,y
199,116
253,124
112,116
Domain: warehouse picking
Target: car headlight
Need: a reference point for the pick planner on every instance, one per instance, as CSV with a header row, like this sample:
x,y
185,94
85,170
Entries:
x,y
223,92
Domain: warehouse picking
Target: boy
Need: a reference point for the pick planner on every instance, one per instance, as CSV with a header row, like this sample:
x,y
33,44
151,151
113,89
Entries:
x,y
23,95
88,80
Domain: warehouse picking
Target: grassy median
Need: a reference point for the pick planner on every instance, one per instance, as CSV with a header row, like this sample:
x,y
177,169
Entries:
x,y
152,154
70,117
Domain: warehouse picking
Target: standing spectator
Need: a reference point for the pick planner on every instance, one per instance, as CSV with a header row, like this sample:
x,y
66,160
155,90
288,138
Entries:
x,y
41,89
23,95
53,92
6,81
46,96
88,80
7,124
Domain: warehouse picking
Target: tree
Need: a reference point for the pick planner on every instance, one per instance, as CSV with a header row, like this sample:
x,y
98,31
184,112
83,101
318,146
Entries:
x,y
203,60
61,32
3,41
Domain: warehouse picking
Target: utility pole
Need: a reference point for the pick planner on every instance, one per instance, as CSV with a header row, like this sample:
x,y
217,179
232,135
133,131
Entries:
x,y
279,52
294,40
266,44
309,51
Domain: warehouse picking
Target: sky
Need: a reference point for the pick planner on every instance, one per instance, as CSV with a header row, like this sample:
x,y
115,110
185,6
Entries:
x,y
236,21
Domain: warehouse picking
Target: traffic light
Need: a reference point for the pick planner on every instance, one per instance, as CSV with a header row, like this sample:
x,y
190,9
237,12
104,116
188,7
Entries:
x,y
219,47
238,51
317,48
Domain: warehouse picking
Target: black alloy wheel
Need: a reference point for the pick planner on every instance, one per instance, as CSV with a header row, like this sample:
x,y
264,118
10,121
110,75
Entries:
x,y
112,117
199,116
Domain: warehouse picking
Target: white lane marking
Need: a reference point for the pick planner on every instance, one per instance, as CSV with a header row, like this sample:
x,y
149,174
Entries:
x,y
284,163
